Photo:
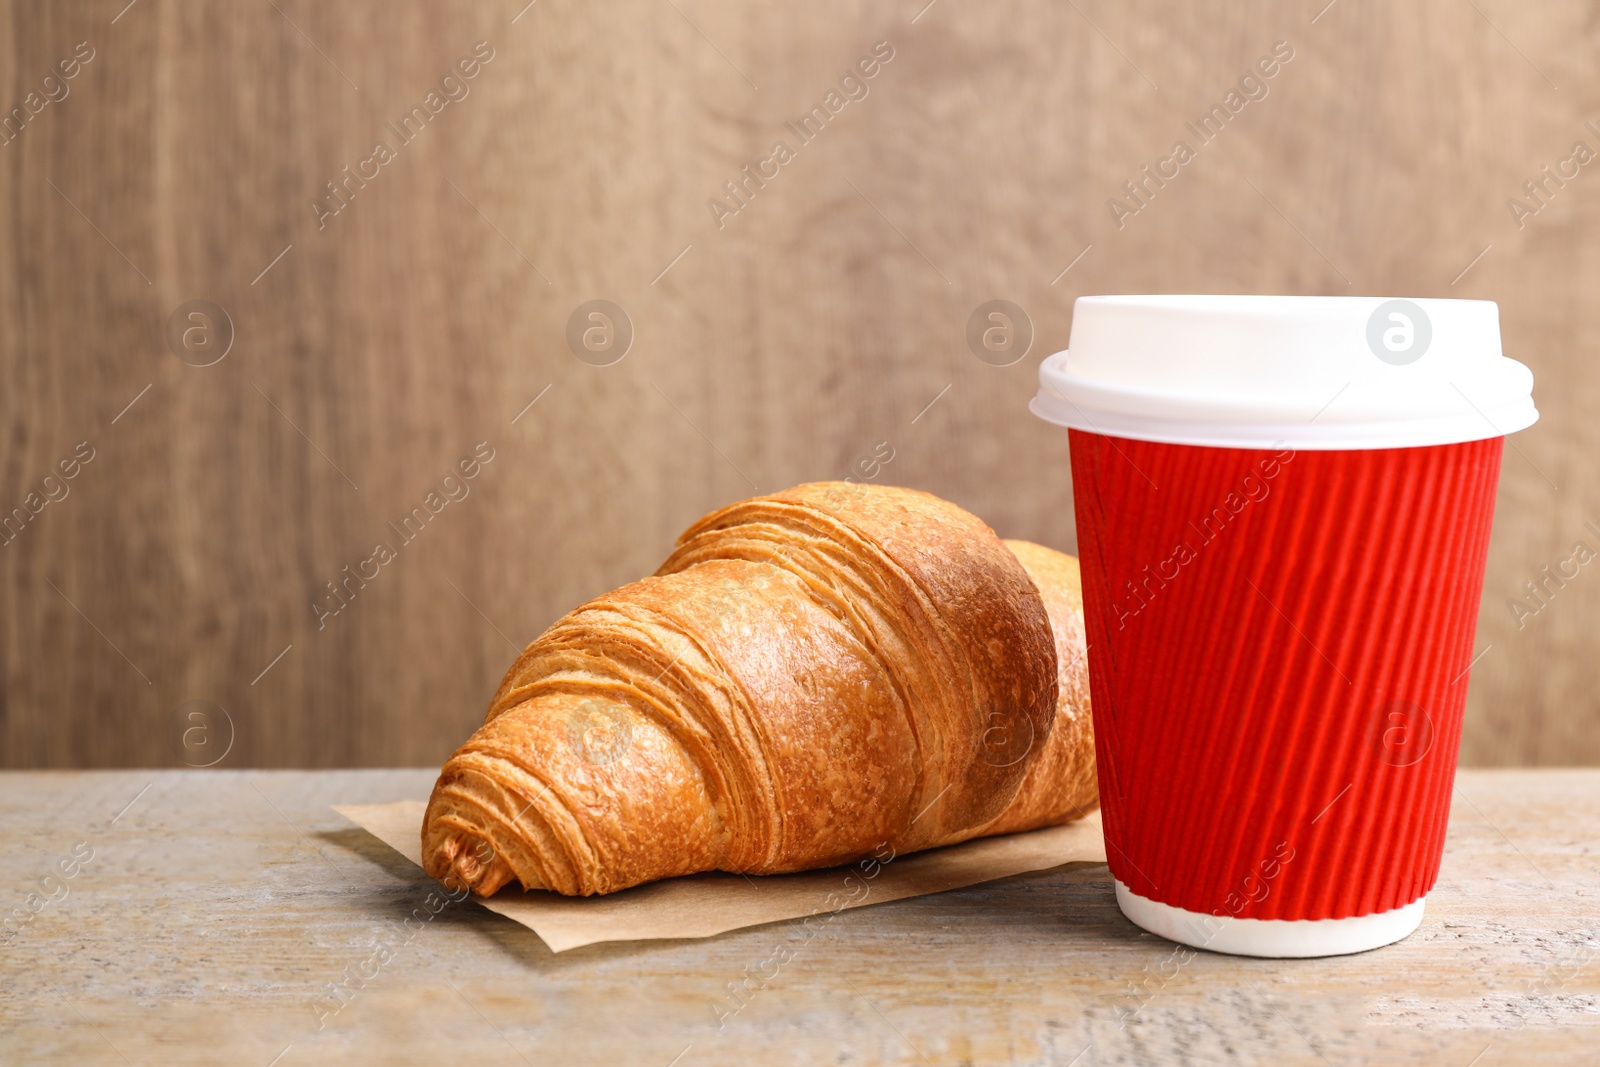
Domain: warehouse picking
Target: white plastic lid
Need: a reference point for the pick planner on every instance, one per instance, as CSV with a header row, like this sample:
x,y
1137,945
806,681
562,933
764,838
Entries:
x,y
1312,372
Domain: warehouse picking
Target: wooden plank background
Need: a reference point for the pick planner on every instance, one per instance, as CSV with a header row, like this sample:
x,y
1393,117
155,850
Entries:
x,y
820,326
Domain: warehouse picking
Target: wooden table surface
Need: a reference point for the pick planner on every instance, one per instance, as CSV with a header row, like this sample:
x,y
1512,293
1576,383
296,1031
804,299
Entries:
x,y
207,914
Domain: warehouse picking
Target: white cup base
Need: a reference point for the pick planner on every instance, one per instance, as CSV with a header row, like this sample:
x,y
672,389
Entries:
x,y
1272,938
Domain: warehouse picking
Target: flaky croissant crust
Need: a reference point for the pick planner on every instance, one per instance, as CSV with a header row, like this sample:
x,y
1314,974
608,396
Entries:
x,y
809,676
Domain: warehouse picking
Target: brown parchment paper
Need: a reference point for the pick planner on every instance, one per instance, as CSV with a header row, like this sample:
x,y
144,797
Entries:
x,y
702,905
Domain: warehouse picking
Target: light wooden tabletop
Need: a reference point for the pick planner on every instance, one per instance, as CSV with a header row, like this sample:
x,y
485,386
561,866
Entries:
x,y
207,913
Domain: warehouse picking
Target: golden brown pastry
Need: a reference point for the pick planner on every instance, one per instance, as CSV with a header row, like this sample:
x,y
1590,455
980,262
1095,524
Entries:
x,y
811,675
1060,782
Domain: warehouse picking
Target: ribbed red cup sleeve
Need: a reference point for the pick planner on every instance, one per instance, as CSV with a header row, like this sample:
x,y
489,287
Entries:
x,y
1278,649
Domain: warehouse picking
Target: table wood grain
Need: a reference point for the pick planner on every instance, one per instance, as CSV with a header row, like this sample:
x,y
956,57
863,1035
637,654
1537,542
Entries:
x,y
219,908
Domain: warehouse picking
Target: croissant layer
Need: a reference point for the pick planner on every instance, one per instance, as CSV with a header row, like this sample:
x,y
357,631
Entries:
x,y
809,676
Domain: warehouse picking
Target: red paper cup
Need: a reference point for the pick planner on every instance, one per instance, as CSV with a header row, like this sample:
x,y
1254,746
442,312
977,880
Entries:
x,y
1280,609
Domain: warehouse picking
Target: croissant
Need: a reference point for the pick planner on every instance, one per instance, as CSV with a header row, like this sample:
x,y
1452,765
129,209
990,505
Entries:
x,y
810,676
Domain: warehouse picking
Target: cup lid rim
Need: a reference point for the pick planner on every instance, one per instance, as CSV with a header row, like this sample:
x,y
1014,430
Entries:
x,y
1259,371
